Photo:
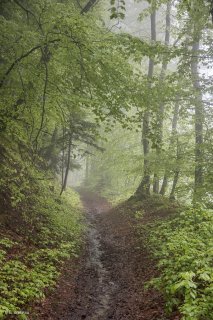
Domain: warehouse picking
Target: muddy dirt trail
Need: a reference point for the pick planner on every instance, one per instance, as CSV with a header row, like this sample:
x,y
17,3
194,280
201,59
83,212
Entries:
x,y
107,281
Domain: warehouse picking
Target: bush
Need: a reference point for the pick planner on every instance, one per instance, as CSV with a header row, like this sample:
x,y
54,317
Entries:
x,y
184,248
54,231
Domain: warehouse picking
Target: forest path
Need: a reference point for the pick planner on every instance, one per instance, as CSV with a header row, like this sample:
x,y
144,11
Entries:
x,y
111,278
108,279
95,287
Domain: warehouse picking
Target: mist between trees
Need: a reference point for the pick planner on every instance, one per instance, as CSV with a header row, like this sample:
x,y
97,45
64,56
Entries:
x,y
113,96
69,82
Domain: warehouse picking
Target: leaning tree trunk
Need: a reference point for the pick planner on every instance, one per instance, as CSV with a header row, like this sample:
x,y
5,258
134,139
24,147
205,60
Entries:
x,y
199,115
144,187
171,142
160,115
64,183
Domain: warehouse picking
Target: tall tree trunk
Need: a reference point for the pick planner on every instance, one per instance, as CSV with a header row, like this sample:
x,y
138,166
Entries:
x,y
176,172
171,142
174,184
144,187
199,115
51,150
64,184
160,115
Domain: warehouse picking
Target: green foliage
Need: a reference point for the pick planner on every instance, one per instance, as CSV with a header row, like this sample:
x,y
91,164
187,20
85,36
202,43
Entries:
x,y
112,172
51,226
21,284
184,248
62,75
117,9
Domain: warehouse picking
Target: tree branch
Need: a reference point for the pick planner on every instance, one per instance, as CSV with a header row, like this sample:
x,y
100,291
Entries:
x,y
25,9
43,105
25,55
88,6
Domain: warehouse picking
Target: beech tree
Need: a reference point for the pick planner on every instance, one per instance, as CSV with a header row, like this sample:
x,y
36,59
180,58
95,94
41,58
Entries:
x,y
175,98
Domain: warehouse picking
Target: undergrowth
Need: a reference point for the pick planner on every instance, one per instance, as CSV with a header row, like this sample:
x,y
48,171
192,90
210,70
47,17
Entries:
x,y
183,246
39,230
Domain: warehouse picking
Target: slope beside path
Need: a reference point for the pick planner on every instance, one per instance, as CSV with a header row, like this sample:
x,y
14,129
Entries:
x,y
107,281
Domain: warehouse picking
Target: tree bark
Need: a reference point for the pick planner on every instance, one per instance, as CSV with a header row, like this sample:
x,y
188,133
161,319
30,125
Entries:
x,y
172,141
199,115
160,115
64,184
175,181
144,187
176,172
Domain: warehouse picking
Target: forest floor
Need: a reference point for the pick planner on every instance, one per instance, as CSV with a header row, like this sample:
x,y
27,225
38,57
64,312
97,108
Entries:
x,y
107,280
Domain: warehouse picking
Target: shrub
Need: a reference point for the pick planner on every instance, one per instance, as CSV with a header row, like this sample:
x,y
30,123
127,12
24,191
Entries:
x,y
55,230
184,248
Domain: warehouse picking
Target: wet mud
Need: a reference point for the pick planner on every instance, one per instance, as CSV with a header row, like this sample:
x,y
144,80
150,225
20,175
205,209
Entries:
x,y
107,280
